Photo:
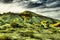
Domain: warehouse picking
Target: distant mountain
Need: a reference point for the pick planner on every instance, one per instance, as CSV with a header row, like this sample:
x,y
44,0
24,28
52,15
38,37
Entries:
x,y
27,16
28,26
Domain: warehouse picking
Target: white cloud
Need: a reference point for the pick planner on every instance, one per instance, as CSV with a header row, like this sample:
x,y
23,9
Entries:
x,y
34,0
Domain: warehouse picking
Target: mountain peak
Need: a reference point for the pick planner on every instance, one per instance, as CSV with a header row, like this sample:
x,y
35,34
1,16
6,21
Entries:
x,y
27,12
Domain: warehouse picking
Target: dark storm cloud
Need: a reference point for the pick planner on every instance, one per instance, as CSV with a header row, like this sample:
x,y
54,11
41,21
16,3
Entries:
x,y
7,1
35,3
31,4
43,3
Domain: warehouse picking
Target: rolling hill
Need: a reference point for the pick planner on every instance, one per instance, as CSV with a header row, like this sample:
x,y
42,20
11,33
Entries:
x,y
28,26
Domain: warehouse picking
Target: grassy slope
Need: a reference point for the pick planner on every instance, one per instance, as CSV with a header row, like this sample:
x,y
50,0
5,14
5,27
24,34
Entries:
x,y
28,26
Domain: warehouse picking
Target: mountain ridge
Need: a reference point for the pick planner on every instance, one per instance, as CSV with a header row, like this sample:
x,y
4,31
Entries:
x,y
27,12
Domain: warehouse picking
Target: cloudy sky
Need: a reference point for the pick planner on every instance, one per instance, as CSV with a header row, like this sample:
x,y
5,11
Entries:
x,y
50,8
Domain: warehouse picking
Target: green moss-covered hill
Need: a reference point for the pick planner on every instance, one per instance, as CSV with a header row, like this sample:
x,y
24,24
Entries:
x,y
28,26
